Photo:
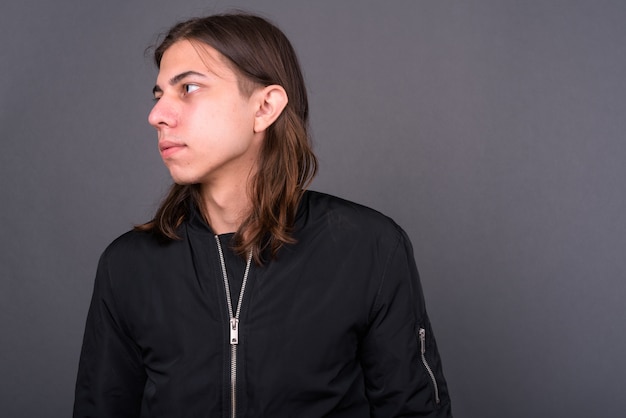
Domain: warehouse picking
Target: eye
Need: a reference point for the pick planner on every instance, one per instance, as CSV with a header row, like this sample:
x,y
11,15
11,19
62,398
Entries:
x,y
190,88
156,93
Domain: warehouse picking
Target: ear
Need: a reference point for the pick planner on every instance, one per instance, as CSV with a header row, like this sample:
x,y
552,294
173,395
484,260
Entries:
x,y
271,103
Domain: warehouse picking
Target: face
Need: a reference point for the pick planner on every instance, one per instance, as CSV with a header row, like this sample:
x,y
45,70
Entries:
x,y
205,124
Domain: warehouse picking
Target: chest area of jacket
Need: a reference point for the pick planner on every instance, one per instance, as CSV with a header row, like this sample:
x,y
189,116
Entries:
x,y
306,305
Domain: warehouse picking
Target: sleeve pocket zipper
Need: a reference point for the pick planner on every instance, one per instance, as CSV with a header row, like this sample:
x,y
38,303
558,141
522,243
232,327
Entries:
x,y
422,337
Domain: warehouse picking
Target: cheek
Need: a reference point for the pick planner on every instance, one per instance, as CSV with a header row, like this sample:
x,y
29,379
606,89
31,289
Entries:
x,y
231,120
244,115
234,121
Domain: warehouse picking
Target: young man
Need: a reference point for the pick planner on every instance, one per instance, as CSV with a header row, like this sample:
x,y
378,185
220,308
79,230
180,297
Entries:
x,y
247,296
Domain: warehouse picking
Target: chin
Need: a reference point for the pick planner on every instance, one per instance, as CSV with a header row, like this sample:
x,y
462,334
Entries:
x,y
184,182
183,179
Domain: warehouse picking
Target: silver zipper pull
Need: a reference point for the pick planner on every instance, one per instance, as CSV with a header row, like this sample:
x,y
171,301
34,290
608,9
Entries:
x,y
234,331
423,339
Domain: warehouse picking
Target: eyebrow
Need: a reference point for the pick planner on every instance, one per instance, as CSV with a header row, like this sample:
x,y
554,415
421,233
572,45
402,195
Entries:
x,y
177,79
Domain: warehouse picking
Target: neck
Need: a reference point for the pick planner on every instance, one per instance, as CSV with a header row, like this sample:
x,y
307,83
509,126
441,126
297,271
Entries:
x,y
225,193
226,209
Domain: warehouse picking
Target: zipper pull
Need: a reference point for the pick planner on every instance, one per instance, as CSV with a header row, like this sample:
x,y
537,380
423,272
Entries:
x,y
422,333
234,331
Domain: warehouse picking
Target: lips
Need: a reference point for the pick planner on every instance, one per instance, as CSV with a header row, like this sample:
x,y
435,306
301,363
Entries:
x,y
168,148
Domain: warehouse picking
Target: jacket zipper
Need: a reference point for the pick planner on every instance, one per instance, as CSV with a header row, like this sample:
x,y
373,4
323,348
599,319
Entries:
x,y
422,336
233,324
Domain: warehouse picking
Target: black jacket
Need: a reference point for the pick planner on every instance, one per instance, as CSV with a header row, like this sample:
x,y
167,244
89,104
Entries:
x,y
334,327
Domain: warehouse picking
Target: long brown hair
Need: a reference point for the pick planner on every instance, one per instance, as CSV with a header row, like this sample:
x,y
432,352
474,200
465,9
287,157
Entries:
x,y
262,55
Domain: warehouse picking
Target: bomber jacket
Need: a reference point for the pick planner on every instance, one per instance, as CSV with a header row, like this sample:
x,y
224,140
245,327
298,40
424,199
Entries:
x,y
334,326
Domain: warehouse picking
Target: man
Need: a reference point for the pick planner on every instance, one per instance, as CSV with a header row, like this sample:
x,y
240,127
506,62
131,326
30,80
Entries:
x,y
247,296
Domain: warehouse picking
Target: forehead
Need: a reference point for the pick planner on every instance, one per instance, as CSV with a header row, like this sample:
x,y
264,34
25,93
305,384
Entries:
x,y
188,55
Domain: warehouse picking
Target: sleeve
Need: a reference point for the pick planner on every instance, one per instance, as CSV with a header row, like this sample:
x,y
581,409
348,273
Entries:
x,y
111,377
402,368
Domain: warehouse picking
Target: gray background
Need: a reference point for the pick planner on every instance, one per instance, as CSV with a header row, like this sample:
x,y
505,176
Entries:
x,y
493,131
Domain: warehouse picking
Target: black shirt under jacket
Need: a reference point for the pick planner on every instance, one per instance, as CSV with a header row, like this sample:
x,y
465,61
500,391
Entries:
x,y
334,327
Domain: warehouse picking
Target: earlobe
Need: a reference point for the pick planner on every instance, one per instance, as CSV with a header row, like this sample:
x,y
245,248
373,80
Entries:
x,y
272,102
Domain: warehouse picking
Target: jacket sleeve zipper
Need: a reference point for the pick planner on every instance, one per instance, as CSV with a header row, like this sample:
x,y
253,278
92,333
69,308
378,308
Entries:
x,y
422,337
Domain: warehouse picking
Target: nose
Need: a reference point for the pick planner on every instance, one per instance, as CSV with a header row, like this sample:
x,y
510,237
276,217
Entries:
x,y
162,114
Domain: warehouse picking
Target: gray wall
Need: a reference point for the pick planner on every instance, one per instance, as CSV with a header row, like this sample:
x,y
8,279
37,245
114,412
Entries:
x,y
493,131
